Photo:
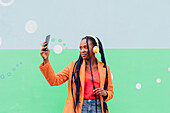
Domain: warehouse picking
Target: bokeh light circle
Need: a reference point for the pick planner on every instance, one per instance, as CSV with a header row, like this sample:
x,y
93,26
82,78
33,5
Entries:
x,y
158,80
6,3
138,86
169,69
57,49
31,26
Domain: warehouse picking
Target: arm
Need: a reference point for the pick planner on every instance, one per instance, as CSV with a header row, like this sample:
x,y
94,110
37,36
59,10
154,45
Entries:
x,y
52,78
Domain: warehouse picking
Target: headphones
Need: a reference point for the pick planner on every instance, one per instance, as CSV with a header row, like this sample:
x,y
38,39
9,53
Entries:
x,y
95,48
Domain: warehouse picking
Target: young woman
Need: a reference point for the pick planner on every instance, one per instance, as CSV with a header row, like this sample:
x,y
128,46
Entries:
x,y
89,80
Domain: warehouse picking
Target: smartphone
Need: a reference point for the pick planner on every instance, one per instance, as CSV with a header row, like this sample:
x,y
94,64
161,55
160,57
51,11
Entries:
x,y
47,39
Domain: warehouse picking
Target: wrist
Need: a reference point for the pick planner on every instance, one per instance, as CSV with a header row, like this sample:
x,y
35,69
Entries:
x,y
45,61
106,94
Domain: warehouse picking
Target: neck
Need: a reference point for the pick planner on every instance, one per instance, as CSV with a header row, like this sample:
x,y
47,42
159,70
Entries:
x,y
93,61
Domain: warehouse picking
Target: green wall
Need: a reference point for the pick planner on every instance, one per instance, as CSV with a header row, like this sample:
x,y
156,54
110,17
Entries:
x,y
23,88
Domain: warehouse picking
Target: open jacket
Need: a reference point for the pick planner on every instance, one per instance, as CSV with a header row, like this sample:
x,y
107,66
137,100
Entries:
x,y
66,74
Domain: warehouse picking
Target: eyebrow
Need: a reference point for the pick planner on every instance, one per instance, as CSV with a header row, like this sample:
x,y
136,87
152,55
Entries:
x,y
82,45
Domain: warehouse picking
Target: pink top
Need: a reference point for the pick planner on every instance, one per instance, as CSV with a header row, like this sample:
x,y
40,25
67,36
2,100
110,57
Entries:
x,y
88,89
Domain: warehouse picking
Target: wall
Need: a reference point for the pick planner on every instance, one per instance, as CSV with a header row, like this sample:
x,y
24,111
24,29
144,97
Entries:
x,y
135,35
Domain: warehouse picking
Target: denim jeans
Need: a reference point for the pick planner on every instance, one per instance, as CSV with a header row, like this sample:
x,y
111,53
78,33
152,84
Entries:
x,y
89,106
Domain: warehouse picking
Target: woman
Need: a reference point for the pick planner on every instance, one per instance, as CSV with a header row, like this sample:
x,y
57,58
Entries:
x,y
89,80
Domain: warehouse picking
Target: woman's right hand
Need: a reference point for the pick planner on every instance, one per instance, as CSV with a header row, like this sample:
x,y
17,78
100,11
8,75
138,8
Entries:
x,y
44,54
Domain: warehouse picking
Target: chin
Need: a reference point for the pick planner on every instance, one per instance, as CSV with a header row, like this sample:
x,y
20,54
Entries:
x,y
85,58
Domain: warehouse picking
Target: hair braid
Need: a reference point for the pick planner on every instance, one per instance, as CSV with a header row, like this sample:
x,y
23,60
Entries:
x,y
76,81
104,61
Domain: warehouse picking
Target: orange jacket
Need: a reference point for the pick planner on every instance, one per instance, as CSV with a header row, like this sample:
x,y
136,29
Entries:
x,y
64,75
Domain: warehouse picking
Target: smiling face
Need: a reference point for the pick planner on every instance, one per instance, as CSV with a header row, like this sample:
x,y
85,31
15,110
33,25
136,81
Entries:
x,y
84,51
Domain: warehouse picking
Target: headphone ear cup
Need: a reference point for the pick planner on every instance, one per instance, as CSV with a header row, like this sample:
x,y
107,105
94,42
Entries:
x,y
95,49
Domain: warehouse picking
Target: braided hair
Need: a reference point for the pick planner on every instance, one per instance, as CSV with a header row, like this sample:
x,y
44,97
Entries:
x,y
76,71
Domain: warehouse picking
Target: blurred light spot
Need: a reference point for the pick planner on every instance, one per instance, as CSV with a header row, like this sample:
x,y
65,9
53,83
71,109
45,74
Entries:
x,y
112,76
31,26
158,80
9,74
2,76
138,86
59,40
57,49
64,44
17,65
6,3
169,69
13,69
53,40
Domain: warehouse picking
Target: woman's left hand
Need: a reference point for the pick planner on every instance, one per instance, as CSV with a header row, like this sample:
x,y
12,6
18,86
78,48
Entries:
x,y
100,92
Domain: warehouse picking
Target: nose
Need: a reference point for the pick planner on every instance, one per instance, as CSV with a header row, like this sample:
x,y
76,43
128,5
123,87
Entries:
x,y
82,50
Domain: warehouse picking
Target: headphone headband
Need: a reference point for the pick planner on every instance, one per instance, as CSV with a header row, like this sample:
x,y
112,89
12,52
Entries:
x,y
94,39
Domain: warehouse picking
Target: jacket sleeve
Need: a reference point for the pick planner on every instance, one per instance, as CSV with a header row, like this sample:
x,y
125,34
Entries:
x,y
110,86
52,78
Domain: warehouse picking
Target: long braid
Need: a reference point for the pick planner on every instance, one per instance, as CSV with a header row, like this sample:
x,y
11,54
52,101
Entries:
x,y
104,61
91,72
77,81
106,79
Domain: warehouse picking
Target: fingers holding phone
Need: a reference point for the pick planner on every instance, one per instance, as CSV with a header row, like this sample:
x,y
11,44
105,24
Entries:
x,y
47,40
44,54
44,46
45,51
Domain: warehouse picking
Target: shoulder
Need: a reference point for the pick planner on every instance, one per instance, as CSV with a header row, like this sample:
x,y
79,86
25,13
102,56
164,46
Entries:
x,y
71,64
102,64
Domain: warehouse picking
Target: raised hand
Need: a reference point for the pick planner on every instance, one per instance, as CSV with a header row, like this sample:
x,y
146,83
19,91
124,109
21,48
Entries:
x,y
44,54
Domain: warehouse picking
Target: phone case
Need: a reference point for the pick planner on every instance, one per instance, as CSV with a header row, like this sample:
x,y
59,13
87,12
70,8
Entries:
x,y
47,39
